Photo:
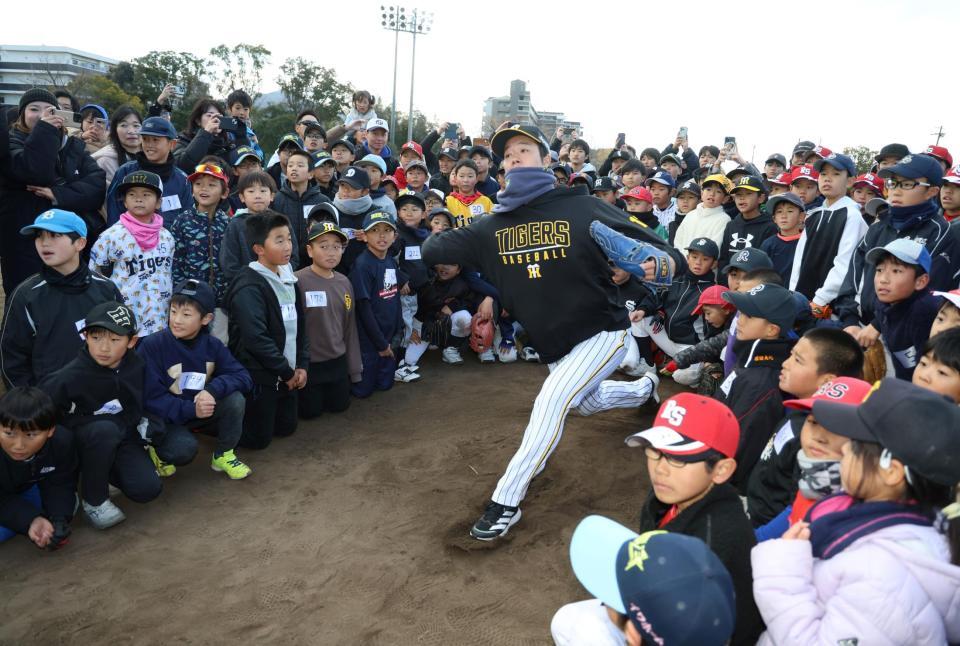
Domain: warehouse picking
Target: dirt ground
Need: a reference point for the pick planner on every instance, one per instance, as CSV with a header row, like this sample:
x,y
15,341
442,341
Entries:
x,y
352,531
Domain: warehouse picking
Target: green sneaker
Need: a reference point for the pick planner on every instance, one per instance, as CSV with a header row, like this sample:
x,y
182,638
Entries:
x,y
164,470
231,465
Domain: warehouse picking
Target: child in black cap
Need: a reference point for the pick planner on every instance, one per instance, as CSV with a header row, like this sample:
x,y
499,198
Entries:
x,y
877,563
100,395
765,316
688,197
787,212
752,225
191,381
38,470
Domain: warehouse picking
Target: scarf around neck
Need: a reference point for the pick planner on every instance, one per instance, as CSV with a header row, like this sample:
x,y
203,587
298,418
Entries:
x,y
146,235
818,478
467,199
354,206
524,185
163,169
904,217
837,521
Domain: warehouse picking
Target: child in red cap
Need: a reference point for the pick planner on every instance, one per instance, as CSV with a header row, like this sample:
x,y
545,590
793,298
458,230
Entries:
x,y
639,203
715,314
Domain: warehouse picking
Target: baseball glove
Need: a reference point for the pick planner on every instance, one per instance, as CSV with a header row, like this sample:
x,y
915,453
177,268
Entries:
x,y
481,334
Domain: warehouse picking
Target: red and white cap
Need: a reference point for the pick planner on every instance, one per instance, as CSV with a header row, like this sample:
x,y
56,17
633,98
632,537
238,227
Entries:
x,y
953,175
783,179
639,193
843,390
713,295
688,426
872,181
820,151
805,172
941,153
414,146
953,296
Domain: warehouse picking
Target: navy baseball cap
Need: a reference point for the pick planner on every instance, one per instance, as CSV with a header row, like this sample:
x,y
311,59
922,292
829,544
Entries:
x,y
199,292
838,161
355,177
749,182
792,198
449,153
661,177
142,178
407,195
915,166
241,153
621,154
904,249
158,127
346,143
373,219
57,221
749,259
112,316
290,138
671,586
500,138
672,157
767,301
324,212
706,246
481,150
604,184
918,426
561,167
689,186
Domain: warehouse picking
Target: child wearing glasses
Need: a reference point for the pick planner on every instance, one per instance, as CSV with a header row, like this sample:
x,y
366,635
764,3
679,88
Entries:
x,y
690,459
831,232
912,186
136,253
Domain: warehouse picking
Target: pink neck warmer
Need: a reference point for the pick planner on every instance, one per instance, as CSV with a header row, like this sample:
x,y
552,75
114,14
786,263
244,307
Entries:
x,y
146,235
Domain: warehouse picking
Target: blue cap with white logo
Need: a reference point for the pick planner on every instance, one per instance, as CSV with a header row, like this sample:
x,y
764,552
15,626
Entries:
x,y
838,161
905,250
662,177
158,127
57,221
914,167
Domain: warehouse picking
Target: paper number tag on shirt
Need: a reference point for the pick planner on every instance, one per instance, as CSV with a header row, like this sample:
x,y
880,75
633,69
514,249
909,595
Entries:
x,y
728,383
170,203
316,299
112,407
82,323
192,381
306,210
477,209
350,233
389,277
411,253
289,312
784,435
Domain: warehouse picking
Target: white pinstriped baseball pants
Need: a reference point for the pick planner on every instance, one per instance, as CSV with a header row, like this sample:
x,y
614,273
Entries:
x,y
577,381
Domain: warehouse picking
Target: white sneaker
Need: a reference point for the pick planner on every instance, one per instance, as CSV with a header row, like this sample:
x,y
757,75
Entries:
x,y
487,356
507,353
403,364
654,379
452,355
642,368
529,354
405,374
104,515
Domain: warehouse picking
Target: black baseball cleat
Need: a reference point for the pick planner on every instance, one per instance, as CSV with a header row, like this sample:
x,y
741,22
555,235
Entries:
x,y
495,522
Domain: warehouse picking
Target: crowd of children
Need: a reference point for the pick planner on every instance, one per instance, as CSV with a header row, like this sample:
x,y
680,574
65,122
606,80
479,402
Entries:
x,y
812,475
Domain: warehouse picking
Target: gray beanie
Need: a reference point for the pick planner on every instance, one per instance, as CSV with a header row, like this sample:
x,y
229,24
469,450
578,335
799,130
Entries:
x,y
37,94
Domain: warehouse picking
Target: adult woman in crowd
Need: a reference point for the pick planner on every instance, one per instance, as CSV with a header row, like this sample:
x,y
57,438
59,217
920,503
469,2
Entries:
x,y
46,169
204,136
124,141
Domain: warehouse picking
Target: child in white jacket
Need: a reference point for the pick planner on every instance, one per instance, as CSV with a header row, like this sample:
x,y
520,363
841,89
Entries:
x,y
709,219
871,566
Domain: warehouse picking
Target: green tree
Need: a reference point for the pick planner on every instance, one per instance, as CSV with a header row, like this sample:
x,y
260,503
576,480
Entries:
x,y
305,84
148,74
861,156
238,67
102,90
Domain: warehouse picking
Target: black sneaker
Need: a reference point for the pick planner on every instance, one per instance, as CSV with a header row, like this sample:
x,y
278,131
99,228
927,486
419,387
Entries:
x,y
495,522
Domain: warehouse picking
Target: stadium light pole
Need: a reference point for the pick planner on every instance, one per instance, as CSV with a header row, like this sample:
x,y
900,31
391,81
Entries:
x,y
397,19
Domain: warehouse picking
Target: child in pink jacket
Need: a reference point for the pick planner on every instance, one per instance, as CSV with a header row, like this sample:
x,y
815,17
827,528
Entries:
x,y
872,566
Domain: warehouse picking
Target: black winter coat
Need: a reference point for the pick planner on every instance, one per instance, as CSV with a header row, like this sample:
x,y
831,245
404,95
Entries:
x,y
719,521
44,157
775,479
194,146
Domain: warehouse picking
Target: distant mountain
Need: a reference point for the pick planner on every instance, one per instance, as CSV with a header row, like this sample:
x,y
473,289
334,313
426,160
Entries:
x,y
270,98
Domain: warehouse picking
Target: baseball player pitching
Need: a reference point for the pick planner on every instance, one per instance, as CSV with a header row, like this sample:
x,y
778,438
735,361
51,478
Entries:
x,y
538,248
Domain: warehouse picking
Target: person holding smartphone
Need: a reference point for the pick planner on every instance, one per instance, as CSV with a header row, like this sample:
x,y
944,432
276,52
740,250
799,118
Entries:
x,y
44,170
208,132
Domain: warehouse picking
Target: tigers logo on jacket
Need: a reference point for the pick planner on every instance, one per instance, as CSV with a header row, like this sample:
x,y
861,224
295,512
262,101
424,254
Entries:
x,y
532,243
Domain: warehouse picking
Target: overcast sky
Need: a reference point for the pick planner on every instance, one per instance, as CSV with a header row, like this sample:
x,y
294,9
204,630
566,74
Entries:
x,y
838,72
